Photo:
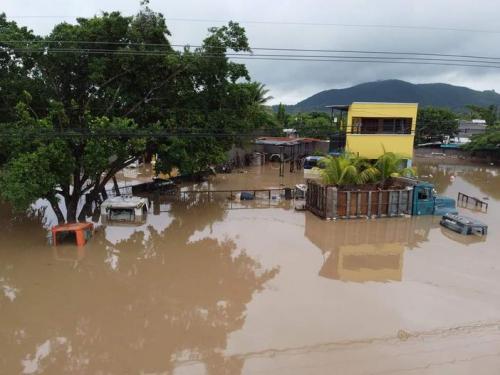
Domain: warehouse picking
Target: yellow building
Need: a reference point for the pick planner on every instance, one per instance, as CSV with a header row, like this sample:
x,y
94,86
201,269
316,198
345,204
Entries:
x,y
369,129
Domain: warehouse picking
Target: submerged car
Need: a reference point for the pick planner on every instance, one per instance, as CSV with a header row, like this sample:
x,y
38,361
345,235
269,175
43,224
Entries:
x,y
125,208
463,224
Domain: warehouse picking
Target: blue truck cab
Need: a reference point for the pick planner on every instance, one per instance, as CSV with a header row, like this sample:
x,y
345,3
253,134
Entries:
x,y
425,201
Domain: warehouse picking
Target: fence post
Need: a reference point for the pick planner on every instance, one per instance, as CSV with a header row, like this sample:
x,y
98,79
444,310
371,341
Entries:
x,y
379,203
369,209
399,203
331,202
348,205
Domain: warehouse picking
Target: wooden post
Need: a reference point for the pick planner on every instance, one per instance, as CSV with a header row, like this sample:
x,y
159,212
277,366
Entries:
x,y
348,206
369,208
379,210
399,203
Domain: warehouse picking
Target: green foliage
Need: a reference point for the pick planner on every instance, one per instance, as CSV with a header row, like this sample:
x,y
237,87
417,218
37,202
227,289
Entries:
x,y
36,174
488,113
348,169
78,117
433,124
281,115
312,124
488,141
390,164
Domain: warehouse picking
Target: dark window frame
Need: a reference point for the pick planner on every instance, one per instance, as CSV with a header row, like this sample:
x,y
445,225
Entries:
x,y
381,125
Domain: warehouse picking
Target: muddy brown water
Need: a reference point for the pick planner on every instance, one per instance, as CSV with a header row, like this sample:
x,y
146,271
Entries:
x,y
206,287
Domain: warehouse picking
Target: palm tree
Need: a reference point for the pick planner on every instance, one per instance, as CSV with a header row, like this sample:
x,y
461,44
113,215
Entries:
x,y
259,92
391,165
347,169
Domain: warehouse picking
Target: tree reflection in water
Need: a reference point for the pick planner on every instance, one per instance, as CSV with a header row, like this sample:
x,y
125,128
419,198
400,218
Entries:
x,y
171,300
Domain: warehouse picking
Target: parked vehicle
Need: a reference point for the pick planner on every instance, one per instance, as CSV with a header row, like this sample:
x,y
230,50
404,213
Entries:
x,y
463,224
425,200
312,161
125,208
77,233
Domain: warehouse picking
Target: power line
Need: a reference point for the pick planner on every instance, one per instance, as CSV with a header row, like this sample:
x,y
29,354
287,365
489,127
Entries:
x,y
353,25
155,53
369,52
291,23
278,57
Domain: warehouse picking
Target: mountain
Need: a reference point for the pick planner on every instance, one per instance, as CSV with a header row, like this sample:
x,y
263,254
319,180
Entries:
x,y
426,94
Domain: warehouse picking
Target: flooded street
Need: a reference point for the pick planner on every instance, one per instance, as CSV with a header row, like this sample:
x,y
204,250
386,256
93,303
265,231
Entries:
x,y
208,287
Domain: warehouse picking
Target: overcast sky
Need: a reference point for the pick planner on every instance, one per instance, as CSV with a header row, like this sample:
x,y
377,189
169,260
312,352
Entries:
x,y
292,81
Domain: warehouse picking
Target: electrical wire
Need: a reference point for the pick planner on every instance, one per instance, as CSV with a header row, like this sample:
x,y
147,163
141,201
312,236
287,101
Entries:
x,y
291,23
128,44
269,57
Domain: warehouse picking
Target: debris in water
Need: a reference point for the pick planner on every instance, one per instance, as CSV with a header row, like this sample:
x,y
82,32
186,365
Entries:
x,y
403,335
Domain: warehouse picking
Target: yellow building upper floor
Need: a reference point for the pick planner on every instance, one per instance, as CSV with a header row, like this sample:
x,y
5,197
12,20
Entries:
x,y
370,129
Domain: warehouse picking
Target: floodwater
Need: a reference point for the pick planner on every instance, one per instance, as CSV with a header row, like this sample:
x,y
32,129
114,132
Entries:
x,y
205,287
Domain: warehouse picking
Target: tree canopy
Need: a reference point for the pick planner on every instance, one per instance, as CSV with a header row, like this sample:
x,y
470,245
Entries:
x,y
433,124
312,124
488,113
487,141
85,101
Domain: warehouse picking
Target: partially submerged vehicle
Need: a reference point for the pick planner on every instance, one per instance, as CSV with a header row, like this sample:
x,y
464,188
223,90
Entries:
x,y
425,200
300,191
463,224
312,167
299,197
78,233
125,208
402,196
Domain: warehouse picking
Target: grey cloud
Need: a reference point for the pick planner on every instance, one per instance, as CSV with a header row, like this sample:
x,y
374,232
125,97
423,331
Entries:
x,y
291,81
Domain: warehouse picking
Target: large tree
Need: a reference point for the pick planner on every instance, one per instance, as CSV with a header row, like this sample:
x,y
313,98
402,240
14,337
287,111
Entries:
x,y
433,124
312,124
95,95
489,141
489,113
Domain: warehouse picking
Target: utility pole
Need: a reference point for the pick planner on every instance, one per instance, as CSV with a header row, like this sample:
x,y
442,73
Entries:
x,y
282,162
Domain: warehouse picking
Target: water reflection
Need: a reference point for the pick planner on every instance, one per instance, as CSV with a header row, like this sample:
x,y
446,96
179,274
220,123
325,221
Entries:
x,y
168,298
486,179
367,250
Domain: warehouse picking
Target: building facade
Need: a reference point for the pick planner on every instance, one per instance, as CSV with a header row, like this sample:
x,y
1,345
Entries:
x,y
370,129
291,148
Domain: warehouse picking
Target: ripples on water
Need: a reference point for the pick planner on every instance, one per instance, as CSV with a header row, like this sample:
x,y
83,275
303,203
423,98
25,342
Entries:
x,y
218,288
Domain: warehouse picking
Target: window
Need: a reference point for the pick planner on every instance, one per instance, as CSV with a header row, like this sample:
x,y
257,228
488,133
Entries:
x,y
369,125
122,214
423,194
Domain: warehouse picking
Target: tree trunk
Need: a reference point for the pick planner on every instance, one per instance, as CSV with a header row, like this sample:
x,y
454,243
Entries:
x,y
115,184
72,207
57,210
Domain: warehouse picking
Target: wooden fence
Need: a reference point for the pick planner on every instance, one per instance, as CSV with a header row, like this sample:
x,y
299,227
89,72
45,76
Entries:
x,y
330,203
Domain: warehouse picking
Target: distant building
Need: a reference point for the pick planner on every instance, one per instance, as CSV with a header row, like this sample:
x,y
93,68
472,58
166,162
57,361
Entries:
x,y
293,148
291,133
370,129
468,128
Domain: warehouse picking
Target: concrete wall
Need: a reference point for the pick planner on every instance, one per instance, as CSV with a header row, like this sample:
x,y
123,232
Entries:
x,y
371,146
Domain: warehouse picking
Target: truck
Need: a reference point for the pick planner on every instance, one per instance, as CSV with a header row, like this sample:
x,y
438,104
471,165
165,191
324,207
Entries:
x,y
425,200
